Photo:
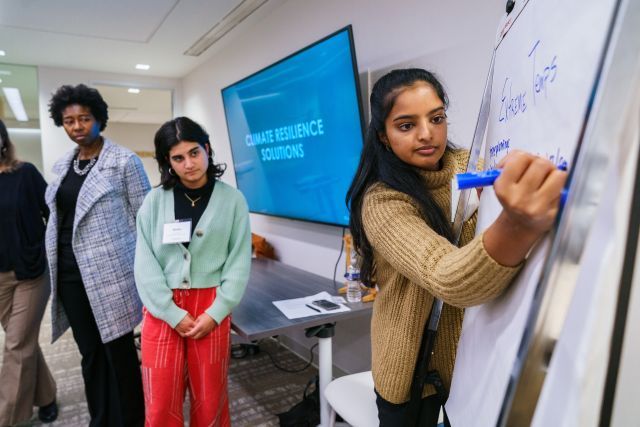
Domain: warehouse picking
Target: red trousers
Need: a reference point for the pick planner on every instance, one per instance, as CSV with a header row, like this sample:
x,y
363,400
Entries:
x,y
169,362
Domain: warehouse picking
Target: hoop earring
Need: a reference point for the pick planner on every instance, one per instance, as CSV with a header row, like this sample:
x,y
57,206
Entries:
x,y
387,147
171,172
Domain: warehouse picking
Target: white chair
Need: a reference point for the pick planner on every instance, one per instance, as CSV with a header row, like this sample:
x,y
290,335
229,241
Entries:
x,y
353,397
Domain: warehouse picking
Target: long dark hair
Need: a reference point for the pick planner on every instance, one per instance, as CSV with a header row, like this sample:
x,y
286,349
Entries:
x,y
172,133
7,151
377,164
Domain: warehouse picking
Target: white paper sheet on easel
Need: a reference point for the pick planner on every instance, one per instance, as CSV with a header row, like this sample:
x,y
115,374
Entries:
x,y
299,307
502,322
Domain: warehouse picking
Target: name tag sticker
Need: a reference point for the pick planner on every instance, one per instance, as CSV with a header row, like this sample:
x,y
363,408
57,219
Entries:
x,y
177,232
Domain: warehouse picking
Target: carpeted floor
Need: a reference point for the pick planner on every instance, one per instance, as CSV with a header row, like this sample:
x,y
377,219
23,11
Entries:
x,y
257,389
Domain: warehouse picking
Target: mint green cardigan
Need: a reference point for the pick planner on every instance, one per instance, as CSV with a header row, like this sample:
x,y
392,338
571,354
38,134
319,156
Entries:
x,y
219,254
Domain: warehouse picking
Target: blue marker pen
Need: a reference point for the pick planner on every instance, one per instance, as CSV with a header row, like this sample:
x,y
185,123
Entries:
x,y
485,178
477,179
488,177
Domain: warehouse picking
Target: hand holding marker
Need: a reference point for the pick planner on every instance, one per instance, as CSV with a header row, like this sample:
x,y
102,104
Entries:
x,y
485,178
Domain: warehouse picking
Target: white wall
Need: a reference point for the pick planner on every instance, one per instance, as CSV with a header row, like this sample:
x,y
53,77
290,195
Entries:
x,y
137,137
28,147
54,140
453,38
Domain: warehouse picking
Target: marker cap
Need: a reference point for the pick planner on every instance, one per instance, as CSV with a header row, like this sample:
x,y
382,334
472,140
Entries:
x,y
477,179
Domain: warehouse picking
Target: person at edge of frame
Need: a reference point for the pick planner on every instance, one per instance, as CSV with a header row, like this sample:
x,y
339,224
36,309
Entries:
x,y
25,379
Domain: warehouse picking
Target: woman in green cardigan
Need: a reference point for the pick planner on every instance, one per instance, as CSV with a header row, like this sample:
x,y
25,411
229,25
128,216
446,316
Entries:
x,y
193,257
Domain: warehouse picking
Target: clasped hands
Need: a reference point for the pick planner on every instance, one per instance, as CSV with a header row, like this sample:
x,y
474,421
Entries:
x,y
195,328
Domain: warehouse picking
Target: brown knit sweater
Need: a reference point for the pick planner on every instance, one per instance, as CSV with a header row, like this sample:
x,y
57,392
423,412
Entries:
x,y
412,265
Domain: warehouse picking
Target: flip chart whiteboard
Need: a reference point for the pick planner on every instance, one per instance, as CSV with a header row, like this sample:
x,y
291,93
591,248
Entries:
x,y
543,79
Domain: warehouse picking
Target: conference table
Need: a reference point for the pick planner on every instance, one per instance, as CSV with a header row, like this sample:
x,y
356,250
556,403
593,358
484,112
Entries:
x,y
257,317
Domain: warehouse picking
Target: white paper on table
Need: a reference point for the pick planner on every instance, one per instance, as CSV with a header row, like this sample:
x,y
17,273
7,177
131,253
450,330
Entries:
x,y
297,307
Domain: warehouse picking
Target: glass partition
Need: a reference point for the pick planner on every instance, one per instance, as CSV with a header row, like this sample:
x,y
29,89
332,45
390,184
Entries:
x,y
20,112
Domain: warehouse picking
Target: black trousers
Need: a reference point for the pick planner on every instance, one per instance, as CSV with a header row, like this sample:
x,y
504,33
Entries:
x,y
395,415
111,372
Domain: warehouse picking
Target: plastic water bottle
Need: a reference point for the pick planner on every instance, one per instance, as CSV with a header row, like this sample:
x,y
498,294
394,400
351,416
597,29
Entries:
x,y
354,293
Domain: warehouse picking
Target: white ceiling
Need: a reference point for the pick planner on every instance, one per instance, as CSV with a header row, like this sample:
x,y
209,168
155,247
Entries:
x,y
110,36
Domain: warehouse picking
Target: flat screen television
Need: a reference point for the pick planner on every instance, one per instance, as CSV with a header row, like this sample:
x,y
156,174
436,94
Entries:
x,y
296,132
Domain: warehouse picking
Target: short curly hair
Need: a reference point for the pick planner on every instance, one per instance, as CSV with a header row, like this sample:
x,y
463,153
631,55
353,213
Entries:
x,y
79,95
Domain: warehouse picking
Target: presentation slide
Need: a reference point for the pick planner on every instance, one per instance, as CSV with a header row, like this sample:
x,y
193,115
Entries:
x,y
296,134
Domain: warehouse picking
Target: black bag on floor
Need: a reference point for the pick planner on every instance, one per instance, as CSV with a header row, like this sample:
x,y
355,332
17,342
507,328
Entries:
x,y
307,412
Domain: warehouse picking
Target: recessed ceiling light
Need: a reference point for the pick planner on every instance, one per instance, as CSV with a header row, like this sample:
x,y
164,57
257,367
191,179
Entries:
x,y
133,90
2,53
142,66
0,80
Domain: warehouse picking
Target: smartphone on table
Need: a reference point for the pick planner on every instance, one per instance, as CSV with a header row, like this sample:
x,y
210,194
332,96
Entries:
x,y
325,304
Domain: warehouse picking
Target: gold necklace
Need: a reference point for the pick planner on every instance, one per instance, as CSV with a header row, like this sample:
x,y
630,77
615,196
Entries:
x,y
193,201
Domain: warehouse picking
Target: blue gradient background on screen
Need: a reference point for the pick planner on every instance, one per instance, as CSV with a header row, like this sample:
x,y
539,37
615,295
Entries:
x,y
295,133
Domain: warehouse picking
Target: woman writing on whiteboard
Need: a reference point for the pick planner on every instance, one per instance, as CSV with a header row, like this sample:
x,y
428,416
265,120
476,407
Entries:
x,y
193,257
400,199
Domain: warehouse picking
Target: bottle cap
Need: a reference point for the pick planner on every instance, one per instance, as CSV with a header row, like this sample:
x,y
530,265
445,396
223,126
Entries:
x,y
352,275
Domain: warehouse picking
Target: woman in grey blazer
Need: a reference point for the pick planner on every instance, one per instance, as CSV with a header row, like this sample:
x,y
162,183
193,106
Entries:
x,y
90,242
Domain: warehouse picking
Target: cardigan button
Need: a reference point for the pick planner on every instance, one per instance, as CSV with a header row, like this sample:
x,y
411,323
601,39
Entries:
x,y
199,233
185,284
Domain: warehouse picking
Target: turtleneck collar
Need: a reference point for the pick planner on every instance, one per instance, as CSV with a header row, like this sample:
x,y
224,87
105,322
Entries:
x,y
442,177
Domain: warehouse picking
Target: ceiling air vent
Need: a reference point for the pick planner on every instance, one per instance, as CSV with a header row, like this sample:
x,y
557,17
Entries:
x,y
226,24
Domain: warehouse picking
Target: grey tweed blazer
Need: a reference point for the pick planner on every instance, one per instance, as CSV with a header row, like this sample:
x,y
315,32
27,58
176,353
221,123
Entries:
x,y
104,239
